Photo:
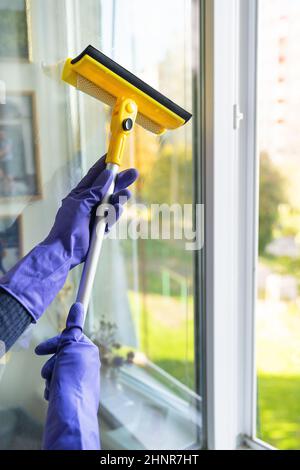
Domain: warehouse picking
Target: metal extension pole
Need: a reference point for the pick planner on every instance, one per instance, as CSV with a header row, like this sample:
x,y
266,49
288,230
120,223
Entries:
x,y
91,263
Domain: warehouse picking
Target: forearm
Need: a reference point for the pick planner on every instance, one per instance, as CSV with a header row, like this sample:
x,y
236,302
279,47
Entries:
x,y
14,319
36,279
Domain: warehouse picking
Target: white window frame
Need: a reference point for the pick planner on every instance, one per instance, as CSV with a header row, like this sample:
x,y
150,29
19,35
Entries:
x,y
231,181
248,221
248,212
221,229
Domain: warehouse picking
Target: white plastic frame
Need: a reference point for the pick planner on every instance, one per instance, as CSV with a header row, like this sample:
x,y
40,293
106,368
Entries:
x,y
231,178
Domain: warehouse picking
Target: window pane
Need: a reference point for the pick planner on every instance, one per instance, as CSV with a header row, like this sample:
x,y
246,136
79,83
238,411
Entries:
x,y
278,307
142,311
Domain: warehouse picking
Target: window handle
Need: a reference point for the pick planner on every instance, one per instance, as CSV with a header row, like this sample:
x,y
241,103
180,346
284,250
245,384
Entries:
x,y
238,116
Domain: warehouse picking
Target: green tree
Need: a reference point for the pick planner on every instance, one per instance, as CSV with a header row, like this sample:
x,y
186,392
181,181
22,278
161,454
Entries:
x,y
272,194
170,180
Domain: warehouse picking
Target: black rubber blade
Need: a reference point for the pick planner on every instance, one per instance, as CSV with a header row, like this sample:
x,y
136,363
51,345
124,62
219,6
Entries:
x,y
133,80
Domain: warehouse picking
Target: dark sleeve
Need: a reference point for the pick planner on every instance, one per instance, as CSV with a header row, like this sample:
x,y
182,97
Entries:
x,y
14,319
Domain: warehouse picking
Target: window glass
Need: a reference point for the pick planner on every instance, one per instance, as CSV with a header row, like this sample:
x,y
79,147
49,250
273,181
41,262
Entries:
x,y
278,308
142,311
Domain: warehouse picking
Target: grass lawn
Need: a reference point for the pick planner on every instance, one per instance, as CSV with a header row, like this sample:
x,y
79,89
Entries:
x,y
169,341
279,411
278,362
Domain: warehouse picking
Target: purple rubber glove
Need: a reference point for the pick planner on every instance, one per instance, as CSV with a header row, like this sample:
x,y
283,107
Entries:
x,y
72,388
36,279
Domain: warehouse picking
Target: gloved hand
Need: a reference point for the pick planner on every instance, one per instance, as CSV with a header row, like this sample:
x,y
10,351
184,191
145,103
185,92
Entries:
x,y
72,388
36,279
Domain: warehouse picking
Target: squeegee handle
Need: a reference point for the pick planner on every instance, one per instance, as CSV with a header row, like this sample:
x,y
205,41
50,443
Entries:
x,y
97,236
122,122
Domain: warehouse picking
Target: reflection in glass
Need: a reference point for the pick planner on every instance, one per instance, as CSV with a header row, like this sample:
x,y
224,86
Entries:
x,y
13,30
18,150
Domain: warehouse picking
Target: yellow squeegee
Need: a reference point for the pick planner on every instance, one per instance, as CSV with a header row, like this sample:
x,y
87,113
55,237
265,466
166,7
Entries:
x,y
133,101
